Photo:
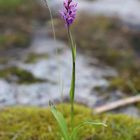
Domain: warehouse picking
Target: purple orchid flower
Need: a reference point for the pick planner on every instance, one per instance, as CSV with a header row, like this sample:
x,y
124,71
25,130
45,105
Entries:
x,y
69,12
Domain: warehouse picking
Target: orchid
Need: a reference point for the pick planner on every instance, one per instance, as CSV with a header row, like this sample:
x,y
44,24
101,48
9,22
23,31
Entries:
x,y
69,12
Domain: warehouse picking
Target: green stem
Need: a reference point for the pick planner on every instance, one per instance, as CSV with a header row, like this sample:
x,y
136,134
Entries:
x,y
72,89
72,102
52,23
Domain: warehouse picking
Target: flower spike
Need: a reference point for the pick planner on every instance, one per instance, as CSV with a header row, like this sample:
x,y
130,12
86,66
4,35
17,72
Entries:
x,y
69,12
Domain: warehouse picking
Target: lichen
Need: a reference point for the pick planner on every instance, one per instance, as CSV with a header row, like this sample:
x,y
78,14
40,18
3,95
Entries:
x,y
32,123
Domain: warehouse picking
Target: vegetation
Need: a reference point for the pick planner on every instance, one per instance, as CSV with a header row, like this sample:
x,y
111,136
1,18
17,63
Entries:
x,y
16,21
32,58
13,40
18,75
9,5
24,123
112,43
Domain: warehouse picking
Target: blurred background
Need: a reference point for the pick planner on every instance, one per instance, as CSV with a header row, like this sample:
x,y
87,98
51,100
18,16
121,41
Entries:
x,y
36,68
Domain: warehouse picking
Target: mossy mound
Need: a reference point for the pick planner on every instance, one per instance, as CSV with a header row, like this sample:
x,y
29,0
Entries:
x,y
23,123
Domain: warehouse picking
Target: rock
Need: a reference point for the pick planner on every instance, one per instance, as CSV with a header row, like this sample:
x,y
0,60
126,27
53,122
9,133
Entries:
x,y
131,110
7,94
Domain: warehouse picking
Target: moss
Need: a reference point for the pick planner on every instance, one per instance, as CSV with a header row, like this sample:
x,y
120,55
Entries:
x,y
15,34
125,85
26,9
18,75
3,60
32,58
128,80
22,13
119,83
9,5
39,124
14,40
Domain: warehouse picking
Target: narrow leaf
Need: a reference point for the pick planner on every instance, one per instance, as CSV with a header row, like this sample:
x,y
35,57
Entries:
x,y
75,52
61,122
76,129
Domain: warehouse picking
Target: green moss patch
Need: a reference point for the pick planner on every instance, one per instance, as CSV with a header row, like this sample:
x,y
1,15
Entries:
x,y
24,8
32,57
16,21
18,75
9,5
25,123
125,85
14,40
